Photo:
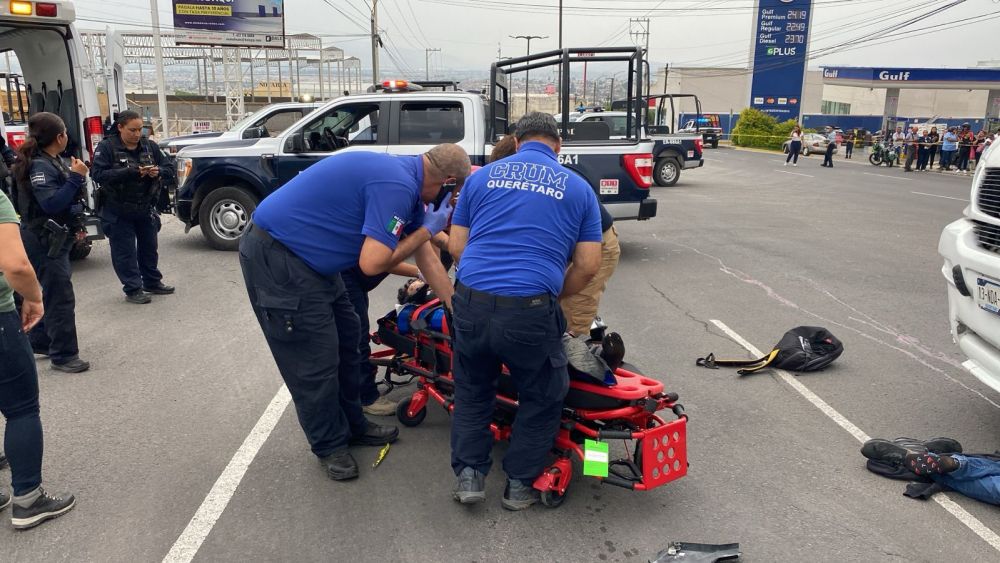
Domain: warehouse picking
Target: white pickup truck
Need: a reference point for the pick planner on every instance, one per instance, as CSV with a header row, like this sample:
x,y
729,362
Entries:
x,y
971,250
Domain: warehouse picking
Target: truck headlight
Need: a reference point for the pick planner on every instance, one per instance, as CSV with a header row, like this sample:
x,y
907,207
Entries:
x,y
183,171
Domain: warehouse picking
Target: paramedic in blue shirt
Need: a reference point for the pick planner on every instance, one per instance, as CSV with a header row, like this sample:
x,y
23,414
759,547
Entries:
x,y
519,223
346,210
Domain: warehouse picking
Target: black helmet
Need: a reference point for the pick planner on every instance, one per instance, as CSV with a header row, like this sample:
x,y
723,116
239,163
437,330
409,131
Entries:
x,y
966,125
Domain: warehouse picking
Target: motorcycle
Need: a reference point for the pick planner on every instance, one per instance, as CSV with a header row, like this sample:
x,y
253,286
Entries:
x,y
883,153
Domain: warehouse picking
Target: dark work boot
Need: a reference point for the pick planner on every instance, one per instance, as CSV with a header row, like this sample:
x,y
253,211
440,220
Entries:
x,y
76,365
159,289
340,465
376,435
470,486
138,297
518,496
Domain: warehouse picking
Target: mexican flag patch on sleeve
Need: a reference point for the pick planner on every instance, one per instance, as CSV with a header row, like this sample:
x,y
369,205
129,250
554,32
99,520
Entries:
x,y
395,226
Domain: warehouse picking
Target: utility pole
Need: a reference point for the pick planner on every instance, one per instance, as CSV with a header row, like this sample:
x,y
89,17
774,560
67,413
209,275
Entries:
x,y
427,62
376,43
529,38
161,86
639,31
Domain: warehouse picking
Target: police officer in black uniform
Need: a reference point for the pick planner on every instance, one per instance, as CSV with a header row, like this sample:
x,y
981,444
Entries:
x,y
50,199
129,170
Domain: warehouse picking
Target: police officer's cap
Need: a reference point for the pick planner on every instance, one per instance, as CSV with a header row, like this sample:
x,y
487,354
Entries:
x,y
537,124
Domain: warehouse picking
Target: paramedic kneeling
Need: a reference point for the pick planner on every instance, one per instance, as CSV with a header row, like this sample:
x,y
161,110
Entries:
x,y
519,223
346,210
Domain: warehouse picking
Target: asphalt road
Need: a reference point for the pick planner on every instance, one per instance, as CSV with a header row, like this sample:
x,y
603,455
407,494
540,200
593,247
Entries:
x,y
178,385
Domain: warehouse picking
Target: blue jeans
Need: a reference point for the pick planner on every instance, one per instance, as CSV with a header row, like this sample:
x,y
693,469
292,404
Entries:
x,y
19,405
976,477
946,157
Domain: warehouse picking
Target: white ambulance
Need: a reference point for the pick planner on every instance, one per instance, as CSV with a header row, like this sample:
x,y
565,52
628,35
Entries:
x,y
56,74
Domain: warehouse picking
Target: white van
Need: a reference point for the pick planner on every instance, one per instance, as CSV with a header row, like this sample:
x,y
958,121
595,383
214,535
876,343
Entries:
x,y
971,251
57,75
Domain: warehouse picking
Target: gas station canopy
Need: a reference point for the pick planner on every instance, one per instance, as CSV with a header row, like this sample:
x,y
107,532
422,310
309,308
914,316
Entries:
x,y
925,78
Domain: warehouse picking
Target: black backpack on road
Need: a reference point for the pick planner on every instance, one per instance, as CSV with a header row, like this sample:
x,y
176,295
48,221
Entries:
x,y
804,348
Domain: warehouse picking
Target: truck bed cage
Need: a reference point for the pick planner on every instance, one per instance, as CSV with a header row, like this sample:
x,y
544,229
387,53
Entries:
x,y
657,126
499,93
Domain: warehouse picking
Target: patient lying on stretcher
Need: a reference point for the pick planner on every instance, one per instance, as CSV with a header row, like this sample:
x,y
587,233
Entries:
x,y
592,357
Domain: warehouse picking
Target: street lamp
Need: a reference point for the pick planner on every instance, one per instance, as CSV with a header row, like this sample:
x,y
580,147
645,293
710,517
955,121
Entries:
x,y
529,38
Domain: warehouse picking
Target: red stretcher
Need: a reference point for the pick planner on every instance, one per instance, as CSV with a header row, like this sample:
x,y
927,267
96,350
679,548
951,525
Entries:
x,y
633,410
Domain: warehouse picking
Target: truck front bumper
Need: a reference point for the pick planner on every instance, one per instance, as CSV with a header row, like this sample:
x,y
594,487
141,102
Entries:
x,y
973,328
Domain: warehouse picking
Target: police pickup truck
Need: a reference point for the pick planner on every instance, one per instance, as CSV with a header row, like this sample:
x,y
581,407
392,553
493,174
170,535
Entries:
x,y
671,152
220,184
269,121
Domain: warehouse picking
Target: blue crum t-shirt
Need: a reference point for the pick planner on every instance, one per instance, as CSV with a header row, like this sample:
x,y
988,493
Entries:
x,y
525,214
324,214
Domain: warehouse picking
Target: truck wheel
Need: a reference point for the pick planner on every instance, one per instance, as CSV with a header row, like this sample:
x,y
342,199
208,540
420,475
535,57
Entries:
x,y
225,215
81,249
805,151
715,144
667,171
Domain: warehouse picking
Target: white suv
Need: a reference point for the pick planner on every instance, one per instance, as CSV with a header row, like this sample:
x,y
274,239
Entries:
x,y
971,251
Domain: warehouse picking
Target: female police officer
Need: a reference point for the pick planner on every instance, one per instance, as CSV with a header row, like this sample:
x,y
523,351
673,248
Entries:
x,y
129,169
49,201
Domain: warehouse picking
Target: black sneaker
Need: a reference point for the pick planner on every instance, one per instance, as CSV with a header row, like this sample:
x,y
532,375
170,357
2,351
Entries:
x,y
518,496
340,466
139,297
159,289
376,435
4,499
76,365
44,508
943,446
470,486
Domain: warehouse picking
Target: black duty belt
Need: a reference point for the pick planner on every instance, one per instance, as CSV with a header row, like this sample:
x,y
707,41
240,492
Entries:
x,y
476,296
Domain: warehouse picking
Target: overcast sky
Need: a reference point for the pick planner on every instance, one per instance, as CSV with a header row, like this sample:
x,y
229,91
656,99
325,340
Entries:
x,y
682,32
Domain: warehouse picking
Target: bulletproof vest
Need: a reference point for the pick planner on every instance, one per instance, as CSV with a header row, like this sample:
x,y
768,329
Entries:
x,y
32,214
136,191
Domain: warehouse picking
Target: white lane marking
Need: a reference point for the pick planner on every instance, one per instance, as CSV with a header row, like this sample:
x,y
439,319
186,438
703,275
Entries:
x,y
963,516
884,176
795,173
190,540
940,196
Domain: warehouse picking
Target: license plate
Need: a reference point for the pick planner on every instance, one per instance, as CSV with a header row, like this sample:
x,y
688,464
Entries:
x,y
987,294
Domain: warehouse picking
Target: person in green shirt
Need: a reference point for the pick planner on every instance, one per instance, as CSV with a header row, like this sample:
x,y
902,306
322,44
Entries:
x,y
19,381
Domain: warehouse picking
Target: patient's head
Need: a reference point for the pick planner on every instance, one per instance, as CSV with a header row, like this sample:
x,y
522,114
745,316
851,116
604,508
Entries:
x,y
414,291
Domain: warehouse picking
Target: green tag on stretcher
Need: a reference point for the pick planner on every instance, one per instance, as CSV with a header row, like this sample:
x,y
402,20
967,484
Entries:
x,y
595,458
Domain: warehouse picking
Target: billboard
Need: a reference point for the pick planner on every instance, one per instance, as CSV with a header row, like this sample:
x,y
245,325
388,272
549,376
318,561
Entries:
x,y
780,49
230,23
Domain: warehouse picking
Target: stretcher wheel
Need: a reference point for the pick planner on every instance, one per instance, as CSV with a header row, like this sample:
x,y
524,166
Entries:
x,y
405,418
552,499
